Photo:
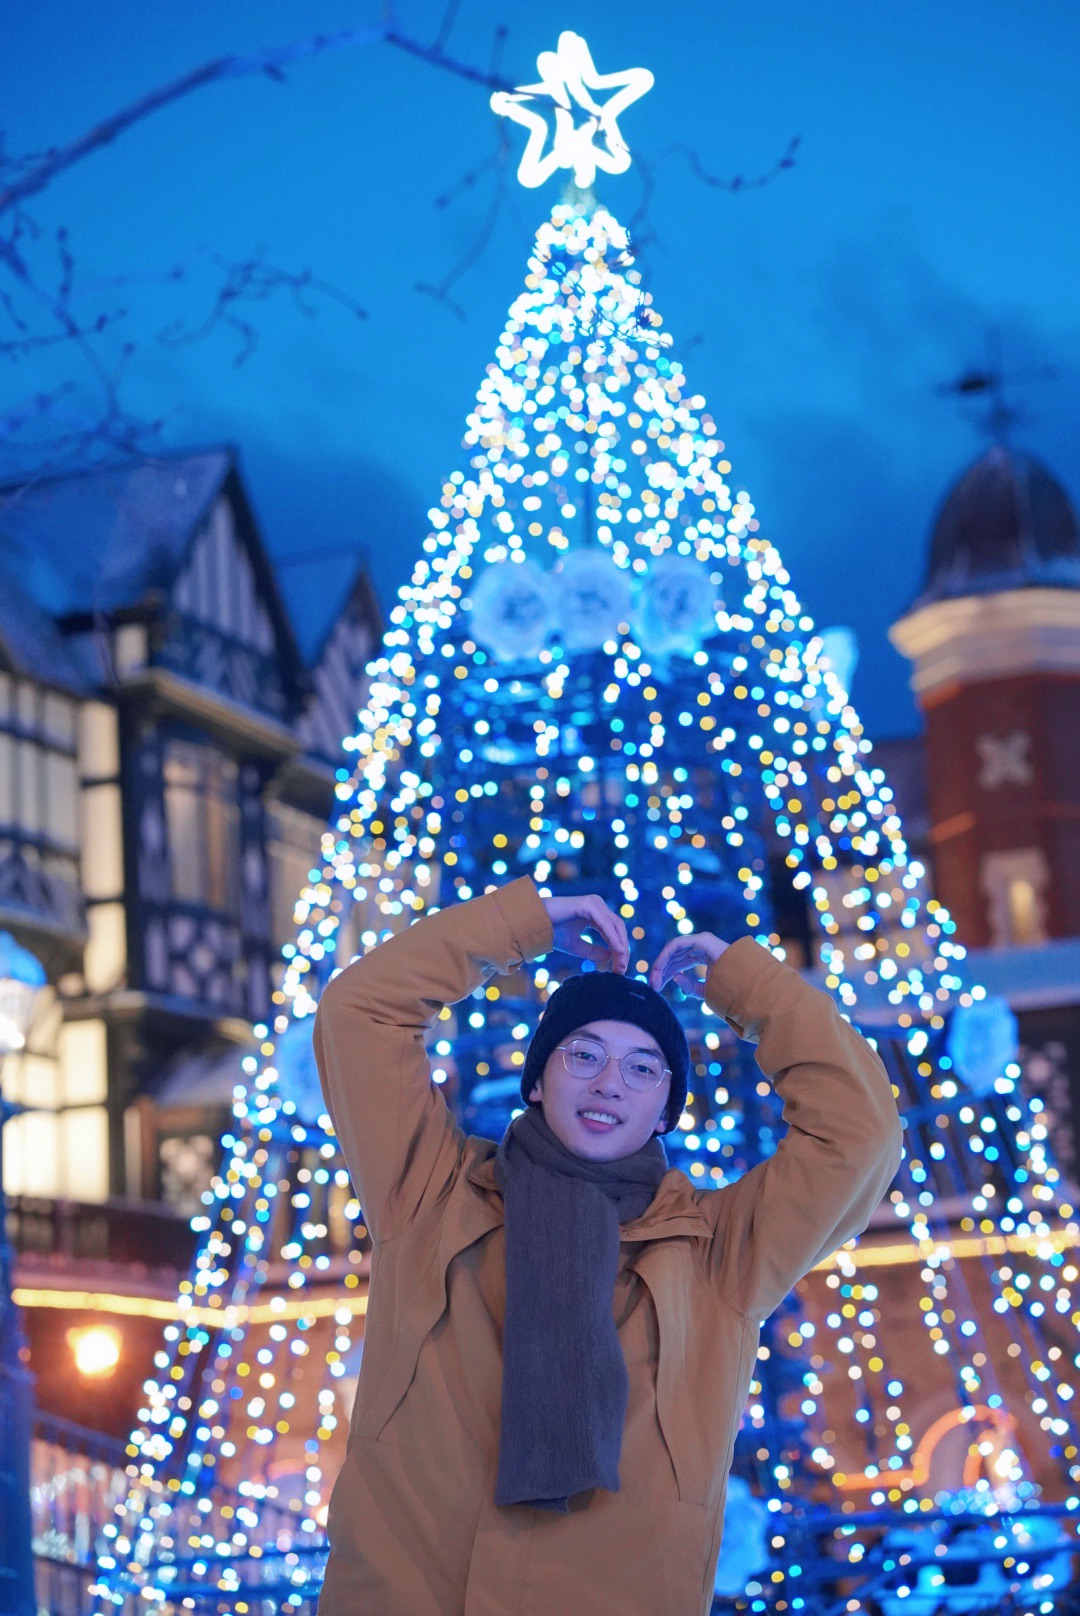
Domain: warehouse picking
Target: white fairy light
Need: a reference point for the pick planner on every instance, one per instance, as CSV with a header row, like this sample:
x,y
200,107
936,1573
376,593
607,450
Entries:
x,y
586,134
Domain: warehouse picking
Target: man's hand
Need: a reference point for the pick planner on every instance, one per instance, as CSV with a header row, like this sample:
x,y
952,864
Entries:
x,y
677,962
571,918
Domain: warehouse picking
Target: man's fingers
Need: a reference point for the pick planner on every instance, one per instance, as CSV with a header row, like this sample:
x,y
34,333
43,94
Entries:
x,y
673,957
692,986
611,928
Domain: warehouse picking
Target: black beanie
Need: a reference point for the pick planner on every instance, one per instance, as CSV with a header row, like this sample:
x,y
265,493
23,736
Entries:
x,y
609,996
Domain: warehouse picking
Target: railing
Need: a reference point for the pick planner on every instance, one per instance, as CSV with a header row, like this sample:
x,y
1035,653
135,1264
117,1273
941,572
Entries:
x,y
77,1479
108,1231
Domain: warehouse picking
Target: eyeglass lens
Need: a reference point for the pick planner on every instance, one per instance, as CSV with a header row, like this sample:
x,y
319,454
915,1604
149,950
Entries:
x,y
640,1070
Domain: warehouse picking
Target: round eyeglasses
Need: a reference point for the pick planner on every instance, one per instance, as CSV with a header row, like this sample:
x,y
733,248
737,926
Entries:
x,y
587,1057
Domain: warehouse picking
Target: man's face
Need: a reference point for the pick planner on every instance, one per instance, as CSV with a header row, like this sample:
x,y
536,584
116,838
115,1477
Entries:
x,y
600,1117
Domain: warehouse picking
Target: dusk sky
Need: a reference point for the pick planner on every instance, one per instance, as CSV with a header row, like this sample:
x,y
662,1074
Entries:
x,y
934,197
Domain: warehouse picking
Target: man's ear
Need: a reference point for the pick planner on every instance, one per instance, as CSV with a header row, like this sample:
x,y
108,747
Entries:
x,y
537,1093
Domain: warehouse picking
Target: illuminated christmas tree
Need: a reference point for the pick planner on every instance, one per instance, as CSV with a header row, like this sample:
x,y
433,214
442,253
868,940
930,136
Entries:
x,y
600,674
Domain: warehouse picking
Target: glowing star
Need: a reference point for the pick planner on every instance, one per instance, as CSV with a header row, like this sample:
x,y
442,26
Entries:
x,y
567,76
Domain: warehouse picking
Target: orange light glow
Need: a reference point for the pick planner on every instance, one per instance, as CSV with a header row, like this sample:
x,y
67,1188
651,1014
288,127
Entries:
x,y
96,1349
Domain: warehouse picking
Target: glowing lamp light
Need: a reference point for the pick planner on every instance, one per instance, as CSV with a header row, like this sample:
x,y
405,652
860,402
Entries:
x,y
22,977
586,135
96,1349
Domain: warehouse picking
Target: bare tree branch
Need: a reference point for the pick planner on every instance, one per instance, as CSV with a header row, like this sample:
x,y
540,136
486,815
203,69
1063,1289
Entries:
x,y
23,243
271,62
739,182
498,45
56,307
467,181
449,18
490,79
497,160
254,281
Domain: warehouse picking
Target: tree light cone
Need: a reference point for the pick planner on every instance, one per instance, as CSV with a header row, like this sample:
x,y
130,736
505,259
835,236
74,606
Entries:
x,y
688,777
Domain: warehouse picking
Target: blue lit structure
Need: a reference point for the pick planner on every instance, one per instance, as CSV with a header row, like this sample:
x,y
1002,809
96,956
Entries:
x,y
655,722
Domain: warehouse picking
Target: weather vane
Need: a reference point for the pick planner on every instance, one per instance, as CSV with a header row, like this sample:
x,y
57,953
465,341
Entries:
x,y
586,133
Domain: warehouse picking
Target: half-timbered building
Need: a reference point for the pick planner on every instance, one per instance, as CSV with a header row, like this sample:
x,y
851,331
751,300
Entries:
x,y
167,767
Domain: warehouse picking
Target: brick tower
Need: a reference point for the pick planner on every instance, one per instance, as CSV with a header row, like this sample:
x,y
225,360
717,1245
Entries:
x,y
994,642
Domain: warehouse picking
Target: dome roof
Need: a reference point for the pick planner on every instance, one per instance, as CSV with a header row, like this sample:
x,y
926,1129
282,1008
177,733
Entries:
x,y
1007,524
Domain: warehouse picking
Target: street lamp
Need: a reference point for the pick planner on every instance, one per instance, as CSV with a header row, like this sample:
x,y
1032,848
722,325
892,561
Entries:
x,y
22,978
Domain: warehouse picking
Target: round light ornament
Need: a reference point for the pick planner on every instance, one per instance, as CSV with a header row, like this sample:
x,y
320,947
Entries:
x,y
982,1041
745,1548
512,609
840,645
298,1075
592,596
676,607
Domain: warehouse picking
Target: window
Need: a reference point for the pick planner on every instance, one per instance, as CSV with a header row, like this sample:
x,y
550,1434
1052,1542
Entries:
x,y
202,809
1015,884
295,850
59,1144
188,1163
38,777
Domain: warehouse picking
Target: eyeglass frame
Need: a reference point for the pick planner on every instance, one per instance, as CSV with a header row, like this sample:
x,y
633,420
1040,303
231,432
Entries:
x,y
588,1038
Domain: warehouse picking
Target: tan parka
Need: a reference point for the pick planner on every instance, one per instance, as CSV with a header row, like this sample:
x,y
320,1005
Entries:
x,y
414,1529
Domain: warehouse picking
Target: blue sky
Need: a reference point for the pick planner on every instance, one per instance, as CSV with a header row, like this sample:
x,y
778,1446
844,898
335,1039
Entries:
x,y
934,196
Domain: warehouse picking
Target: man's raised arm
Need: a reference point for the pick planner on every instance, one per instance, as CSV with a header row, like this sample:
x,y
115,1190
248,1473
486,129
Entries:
x,y
399,1140
843,1139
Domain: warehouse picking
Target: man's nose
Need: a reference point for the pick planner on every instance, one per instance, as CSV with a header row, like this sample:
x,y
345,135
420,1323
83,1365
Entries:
x,y
610,1079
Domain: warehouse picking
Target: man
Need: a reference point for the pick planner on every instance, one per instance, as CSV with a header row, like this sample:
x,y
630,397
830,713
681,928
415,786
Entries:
x,y
561,1332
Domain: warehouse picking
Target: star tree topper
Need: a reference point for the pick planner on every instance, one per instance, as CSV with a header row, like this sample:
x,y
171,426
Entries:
x,y
586,134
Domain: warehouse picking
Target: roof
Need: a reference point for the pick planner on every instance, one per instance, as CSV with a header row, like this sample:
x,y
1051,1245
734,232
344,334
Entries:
x,y
1039,977
202,1077
32,645
114,538
99,540
322,593
209,1076
1007,524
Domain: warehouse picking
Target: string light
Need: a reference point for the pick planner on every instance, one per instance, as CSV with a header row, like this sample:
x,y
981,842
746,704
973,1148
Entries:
x,y
642,772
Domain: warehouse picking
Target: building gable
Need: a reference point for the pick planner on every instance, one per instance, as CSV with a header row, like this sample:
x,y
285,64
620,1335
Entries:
x,y
217,585
226,627
339,678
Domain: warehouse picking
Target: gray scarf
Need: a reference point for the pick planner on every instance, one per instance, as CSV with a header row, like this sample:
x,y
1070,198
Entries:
x,y
565,1385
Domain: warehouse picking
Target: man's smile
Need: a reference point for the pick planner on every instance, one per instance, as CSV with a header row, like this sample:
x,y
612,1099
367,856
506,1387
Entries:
x,y
599,1120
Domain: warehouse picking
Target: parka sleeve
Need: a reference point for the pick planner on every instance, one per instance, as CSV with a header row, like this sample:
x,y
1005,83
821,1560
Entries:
x,y
400,1142
843,1140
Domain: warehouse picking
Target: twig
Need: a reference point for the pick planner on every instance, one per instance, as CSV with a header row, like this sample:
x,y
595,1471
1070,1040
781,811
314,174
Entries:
x,y
467,181
19,347
254,281
498,44
58,310
441,292
271,62
739,182
448,20
491,80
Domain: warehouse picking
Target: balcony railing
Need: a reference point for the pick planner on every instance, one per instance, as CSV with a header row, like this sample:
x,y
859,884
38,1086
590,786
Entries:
x,y
77,1479
124,1232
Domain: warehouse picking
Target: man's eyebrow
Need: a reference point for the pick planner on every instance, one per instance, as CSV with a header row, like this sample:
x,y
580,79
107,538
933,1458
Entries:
x,y
642,1049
